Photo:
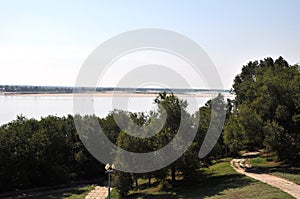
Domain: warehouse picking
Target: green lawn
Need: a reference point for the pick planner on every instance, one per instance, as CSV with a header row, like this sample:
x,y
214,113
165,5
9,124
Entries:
x,y
288,171
219,181
76,193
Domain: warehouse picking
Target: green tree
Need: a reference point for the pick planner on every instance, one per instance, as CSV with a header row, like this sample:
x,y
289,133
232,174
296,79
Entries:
x,y
175,110
40,153
267,97
122,182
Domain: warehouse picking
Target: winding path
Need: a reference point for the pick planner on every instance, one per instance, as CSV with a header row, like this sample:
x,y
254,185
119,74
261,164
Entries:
x,y
280,183
98,193
289,187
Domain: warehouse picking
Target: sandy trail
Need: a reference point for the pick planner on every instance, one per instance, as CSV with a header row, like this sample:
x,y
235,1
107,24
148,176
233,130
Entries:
x,y
280,183
98,193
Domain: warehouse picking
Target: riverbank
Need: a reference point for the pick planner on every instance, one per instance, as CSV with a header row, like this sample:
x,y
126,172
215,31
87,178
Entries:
x,y
112,94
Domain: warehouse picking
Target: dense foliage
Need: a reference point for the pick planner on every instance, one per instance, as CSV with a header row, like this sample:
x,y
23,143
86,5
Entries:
x,y
49,152
267,108
40,153
172,110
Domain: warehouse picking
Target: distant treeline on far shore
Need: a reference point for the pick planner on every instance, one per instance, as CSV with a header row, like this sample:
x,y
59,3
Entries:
x,y
26,89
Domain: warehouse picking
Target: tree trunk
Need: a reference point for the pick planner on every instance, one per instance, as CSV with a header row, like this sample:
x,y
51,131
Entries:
x,y
149,181
136,183
173,175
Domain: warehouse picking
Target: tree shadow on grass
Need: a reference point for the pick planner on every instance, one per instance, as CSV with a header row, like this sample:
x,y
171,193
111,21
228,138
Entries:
x,y
282,169
144,186
61,194
212,186
291,167
215,186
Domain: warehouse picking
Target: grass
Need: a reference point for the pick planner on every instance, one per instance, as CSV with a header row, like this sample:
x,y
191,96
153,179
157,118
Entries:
x,y
76,193
288,171
218,181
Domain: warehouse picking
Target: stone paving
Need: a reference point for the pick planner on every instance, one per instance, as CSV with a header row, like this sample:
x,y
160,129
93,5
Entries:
x,y
280,183
98,193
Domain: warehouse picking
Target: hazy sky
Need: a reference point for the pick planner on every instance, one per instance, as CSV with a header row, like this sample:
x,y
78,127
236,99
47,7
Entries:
x,y
46,42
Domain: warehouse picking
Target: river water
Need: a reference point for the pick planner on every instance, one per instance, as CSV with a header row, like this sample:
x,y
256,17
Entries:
x,y
37,106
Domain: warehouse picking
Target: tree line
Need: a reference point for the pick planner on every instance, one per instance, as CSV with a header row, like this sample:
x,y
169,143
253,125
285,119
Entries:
x,y
264,114
187,166
35,153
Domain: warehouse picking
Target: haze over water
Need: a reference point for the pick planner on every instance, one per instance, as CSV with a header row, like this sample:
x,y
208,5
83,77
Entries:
x,y
35,106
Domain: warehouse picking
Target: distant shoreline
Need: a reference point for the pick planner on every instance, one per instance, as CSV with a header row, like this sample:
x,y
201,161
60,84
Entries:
x,y
111,94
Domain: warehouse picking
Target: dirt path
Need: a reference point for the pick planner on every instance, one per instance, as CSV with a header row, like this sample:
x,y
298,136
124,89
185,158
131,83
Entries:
x,y
283,184
98,193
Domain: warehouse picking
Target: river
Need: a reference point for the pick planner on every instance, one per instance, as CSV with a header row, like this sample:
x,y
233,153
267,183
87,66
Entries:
x,y
37,106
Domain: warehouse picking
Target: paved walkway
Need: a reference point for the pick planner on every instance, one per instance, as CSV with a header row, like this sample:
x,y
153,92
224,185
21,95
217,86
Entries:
x,y
280,183
98,193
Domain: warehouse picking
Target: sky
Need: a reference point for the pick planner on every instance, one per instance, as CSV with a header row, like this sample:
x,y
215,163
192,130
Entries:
x,y
46,42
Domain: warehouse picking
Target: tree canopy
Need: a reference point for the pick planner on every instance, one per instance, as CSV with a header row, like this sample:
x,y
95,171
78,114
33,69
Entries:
x,y
267,108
